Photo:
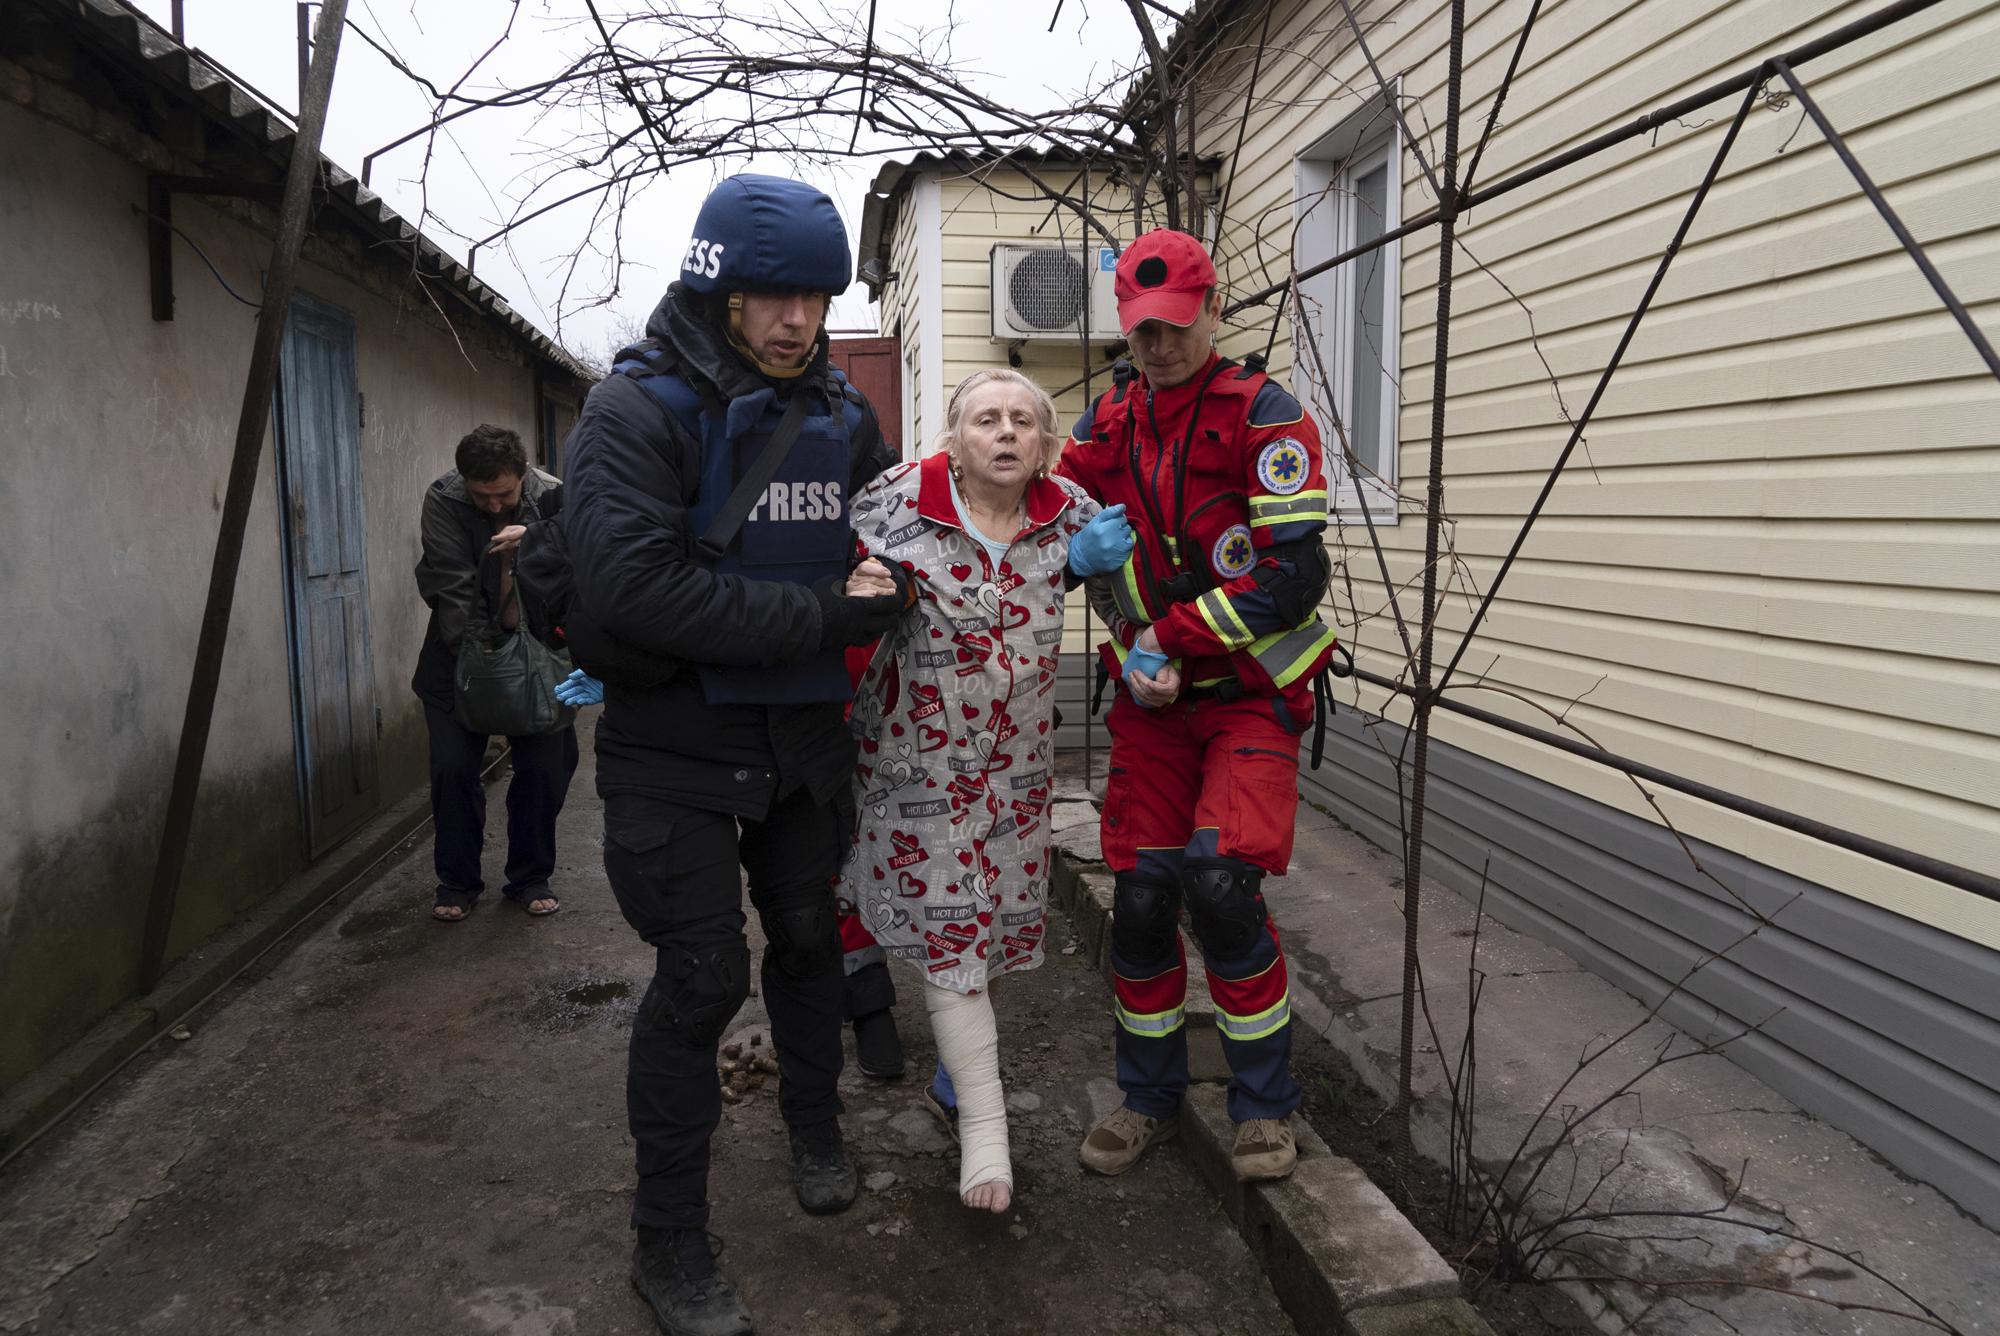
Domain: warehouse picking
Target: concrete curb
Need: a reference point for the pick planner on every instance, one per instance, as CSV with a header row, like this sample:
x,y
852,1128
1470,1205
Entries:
x,y
42,1098
1340,1256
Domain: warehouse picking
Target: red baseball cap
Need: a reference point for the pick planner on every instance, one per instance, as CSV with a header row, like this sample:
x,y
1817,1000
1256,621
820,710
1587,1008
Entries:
x,y
1162,276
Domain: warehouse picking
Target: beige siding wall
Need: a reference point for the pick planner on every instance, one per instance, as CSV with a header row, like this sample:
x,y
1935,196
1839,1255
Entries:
x,y
996,208
1777,569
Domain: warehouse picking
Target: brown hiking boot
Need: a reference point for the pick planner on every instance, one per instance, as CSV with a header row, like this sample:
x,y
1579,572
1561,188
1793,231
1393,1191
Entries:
x,y
1116,1144
1265,1149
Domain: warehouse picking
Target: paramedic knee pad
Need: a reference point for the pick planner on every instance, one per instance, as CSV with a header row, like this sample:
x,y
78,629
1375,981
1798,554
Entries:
x,y
696,993
802,938
1145,913
1226,903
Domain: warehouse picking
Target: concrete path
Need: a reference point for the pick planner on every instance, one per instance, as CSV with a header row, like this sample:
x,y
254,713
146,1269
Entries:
x,y
1673,1143
406,1127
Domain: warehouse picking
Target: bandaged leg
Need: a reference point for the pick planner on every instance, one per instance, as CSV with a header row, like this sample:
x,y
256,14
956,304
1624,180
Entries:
x,y
969,1046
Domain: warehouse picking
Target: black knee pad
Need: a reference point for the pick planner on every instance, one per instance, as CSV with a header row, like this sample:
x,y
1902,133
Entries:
x,y
1226,901
1145,913
697,993
801,938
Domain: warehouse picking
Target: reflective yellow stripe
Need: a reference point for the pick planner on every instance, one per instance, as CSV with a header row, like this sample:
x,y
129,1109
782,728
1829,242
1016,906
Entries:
x,y
1152,1023
1268,510
1221,617
1286,655
1266,1022
1269,501
1125,593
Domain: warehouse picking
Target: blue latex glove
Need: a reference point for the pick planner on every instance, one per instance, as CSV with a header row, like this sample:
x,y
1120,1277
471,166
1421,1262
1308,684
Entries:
x,y
1103,544
1147,662
580,689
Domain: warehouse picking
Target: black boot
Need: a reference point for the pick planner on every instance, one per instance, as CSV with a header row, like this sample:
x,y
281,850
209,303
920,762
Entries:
x,y
878,1049
674,1272
822,1175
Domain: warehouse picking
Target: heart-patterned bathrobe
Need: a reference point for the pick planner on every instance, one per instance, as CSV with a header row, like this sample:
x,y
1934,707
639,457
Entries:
x,y
956,721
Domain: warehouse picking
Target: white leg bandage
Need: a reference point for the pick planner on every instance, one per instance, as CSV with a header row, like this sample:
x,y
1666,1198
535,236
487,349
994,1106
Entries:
x,y
969,1045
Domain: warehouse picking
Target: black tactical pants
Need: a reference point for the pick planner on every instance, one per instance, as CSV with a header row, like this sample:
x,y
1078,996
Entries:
x,y
674,869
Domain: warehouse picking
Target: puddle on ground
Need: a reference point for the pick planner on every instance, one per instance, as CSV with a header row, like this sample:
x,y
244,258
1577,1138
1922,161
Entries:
x,y
578,998
597,994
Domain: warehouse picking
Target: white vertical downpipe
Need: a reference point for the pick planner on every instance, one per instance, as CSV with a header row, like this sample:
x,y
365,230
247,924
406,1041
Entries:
x,y
929,221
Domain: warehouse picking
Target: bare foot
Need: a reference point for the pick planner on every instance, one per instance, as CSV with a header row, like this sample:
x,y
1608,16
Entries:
x,y
448,913
995,1195
546,904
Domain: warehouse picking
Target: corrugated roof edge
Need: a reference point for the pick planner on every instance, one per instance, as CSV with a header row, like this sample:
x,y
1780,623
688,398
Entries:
x,y
894,177
146,48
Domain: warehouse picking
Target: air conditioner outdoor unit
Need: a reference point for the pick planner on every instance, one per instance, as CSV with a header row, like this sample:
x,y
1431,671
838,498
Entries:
x,y
1038,292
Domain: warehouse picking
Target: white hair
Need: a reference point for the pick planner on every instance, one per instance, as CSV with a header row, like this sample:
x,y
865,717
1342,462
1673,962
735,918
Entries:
x,y
1045,411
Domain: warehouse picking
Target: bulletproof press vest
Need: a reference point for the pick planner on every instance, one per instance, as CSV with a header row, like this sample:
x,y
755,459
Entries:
x,y
798,530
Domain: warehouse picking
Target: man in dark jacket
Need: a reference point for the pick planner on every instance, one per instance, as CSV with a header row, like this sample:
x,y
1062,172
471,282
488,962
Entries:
x,y
723,748
473,520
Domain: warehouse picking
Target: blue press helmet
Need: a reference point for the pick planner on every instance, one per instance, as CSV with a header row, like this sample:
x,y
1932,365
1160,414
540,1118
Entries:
x,y
767,234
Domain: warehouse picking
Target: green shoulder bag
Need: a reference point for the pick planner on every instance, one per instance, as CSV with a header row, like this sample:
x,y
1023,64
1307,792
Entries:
x,y
508,686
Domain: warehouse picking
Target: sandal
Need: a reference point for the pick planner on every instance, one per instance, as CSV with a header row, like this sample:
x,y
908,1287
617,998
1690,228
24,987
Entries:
x,y
446,898
947,1114
527,902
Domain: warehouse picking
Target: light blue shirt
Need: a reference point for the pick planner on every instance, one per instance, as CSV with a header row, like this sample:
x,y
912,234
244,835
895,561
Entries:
x,y
998,551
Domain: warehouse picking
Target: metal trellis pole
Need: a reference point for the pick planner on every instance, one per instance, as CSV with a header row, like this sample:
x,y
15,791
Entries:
x,y
251,424
1413,853
1890,216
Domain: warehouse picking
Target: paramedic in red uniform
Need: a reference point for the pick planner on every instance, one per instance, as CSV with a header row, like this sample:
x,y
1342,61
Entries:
x,y
1216,641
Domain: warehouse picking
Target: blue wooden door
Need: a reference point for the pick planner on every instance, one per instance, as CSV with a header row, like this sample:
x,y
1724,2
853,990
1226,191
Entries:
x,y
333,683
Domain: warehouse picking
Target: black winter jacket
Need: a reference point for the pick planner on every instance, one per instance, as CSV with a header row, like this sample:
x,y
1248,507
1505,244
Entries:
x,y
455,578
632,471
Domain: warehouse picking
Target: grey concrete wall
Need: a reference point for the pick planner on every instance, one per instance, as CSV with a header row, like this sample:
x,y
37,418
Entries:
x,y
118,432
1883,1026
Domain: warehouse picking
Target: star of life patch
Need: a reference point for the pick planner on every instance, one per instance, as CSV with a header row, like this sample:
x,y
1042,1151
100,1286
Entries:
x,y
1233,553
1282,467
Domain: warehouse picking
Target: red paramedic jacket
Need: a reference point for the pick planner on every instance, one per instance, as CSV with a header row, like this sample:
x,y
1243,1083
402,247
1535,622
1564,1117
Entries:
x,y
1213,473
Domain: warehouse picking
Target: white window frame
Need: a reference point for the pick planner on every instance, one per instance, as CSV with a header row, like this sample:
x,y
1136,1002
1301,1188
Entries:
x,y
1324,209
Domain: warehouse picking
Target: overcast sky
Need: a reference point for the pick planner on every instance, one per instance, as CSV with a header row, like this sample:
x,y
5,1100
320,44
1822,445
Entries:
x,y
480,167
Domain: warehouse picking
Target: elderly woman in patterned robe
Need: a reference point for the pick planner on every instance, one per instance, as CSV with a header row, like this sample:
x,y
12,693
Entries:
x,y
955,716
